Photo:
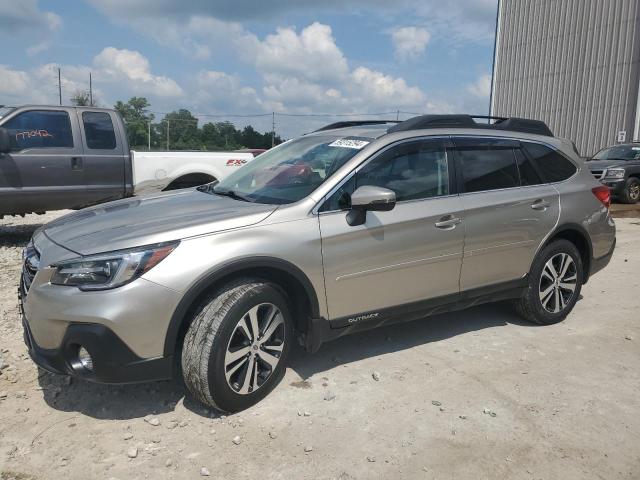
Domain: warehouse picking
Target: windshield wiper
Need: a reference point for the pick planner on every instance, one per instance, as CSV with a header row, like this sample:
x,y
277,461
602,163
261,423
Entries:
x,y
231,194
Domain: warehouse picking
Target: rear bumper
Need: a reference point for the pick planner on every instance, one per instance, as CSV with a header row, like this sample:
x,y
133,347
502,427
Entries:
x,y
113,361
598,264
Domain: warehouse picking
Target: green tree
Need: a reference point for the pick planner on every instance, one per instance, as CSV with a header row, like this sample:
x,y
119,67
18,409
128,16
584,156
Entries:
x,y
80,98
183,131
137,119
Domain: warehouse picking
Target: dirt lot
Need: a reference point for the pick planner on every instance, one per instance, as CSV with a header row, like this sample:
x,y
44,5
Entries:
x,y
476,394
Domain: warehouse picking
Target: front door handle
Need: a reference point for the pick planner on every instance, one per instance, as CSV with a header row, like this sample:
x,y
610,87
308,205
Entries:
x,y
448,222
540,204
76,163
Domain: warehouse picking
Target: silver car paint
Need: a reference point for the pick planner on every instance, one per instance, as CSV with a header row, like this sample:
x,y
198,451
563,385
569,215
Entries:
x,y
220,230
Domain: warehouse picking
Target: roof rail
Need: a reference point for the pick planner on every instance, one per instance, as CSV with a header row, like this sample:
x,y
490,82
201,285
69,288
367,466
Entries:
x,y
513,124
354,123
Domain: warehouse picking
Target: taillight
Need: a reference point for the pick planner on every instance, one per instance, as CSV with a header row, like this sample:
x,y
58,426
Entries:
x,y
603,194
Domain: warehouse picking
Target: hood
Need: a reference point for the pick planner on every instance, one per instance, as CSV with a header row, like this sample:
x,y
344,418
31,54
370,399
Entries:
x,y
602,164
148,220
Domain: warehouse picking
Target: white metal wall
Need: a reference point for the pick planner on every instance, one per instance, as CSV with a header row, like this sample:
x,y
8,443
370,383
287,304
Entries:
x,y
574,64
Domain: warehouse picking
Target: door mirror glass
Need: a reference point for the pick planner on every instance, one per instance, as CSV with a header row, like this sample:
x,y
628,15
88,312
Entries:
x,y
5,141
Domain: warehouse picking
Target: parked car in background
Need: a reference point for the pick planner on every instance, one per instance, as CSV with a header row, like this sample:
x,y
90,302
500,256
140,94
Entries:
x,y
618,167
54,158
351,227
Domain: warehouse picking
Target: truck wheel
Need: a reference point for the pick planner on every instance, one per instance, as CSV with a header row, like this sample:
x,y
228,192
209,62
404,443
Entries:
x,y
631,193
555,281
236,348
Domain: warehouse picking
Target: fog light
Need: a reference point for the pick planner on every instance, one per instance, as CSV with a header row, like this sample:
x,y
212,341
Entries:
x,y
85,359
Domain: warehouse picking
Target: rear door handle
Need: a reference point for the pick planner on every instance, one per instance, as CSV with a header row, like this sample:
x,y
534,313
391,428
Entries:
x,y
540,204
448,222
76,163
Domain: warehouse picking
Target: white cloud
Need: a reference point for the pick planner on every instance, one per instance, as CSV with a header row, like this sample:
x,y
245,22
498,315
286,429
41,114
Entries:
x,y
133,67
379,90
23,15
410,42
312,55
14,82
481,88
223,92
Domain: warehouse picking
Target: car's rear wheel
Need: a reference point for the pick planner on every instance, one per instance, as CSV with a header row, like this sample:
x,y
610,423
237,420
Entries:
x,y
631,192
555,281
236,348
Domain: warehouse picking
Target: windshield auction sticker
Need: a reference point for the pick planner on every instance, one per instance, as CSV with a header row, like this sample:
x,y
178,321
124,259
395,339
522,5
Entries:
x,y
350,143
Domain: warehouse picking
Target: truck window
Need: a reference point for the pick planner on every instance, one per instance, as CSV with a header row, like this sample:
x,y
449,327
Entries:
x,y
40,129
98,131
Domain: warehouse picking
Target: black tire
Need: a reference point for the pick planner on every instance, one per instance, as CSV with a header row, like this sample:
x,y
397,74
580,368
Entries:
x,y
631,192
210,335
530,306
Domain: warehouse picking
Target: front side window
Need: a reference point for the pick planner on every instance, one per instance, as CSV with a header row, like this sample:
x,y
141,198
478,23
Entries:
x,y
553,166
291,171
413,170
98,131
40,129
486,164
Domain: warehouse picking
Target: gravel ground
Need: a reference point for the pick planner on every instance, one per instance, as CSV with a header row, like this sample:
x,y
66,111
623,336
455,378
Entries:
x,y
474,394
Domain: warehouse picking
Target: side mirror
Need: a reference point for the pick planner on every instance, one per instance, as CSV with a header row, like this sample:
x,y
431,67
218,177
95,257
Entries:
x,y
5,141
369,198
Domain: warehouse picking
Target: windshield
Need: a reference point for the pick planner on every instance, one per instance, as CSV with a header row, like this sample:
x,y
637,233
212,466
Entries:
x,y
291,171
619,152
4,111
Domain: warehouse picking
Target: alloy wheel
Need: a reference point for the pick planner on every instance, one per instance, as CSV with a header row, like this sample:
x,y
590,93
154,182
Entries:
x,y
634,191
558,282
254,348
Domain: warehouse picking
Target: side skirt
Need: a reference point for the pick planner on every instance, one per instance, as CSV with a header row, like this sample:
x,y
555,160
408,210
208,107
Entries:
x,y
324,330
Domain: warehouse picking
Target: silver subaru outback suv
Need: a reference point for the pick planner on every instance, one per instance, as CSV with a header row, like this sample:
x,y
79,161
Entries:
x,y
356,225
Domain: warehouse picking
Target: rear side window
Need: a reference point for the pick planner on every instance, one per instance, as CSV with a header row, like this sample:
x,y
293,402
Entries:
x,y
40,129
486,164
529,172
552,165
98,130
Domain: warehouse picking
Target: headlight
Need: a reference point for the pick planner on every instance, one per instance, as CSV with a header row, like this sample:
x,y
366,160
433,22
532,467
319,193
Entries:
x,y
615,173
110,270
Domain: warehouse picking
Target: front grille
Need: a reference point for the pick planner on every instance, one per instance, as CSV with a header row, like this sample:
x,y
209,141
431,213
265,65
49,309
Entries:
x,y
30,264
598,174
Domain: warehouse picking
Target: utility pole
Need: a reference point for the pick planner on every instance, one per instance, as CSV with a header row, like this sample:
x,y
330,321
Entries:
x,y
397,115
59,87
149,125
90,91
273,129
167,135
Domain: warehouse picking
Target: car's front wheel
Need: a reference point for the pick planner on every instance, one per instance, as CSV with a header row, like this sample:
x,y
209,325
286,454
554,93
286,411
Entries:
x,y
555,281
236,348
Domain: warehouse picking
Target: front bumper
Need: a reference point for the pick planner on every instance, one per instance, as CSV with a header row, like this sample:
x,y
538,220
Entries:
x,y
616,186
113,361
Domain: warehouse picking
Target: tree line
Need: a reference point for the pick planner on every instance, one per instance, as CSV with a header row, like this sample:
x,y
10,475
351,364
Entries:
x,y
182,128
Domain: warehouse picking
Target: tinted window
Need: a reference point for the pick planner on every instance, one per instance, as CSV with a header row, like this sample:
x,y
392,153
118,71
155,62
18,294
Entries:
x,y
487,165
529,173
98,131
552,165
413,171
40,129
619,152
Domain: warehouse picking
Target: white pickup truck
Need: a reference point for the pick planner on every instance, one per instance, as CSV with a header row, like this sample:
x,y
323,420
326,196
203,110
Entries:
x,y
53,158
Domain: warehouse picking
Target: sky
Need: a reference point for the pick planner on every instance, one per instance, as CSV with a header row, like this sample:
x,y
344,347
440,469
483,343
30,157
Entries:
x,y
304,60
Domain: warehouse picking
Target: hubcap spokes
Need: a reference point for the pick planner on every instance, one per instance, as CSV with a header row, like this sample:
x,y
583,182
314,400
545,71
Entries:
x,y
558,282
254,348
